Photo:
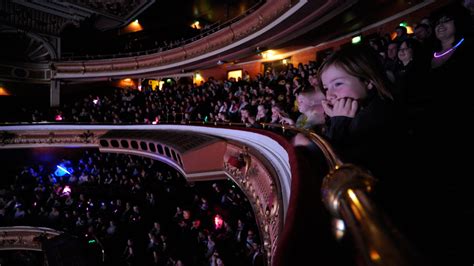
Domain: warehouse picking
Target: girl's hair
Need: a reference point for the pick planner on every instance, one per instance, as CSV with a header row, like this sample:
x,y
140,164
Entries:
x,y
361,62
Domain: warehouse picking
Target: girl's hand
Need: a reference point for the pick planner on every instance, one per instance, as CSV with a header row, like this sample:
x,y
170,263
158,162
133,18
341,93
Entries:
x,y
342,107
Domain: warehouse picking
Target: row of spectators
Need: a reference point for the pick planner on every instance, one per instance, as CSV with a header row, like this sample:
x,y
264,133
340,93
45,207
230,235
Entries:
x,y
140,211
377,109
271,96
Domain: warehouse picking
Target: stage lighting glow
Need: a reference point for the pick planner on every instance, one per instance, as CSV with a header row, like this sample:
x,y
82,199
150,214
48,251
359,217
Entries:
x,y
95,101
218,221
58,118
196,25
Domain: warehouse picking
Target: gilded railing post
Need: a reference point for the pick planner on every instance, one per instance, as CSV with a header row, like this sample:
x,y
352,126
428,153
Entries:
x,y
345,193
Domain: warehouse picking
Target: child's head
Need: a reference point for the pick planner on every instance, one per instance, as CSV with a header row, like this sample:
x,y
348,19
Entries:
x,y
309,100
351,73
408,50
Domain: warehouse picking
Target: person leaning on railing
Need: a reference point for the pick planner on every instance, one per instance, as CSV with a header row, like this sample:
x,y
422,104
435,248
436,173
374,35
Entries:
x,y
364,124
309,105
247,114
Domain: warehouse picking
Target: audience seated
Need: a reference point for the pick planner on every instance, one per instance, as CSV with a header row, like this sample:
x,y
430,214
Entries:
x,y
138,232
377,104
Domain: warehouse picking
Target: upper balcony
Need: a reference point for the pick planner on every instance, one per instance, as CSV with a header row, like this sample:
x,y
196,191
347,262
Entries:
x,y
272,23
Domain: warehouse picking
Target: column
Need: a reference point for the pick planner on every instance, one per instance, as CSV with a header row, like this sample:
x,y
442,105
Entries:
x,y
54,93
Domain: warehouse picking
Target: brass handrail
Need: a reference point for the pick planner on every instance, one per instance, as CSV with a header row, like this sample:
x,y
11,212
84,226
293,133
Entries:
x,y
345,192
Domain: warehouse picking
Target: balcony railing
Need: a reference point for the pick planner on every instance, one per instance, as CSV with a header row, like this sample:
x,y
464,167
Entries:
x,y
345,191
212,29
25,237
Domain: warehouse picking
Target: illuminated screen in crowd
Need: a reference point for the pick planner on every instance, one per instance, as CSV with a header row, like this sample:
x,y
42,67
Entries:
x,y
234,74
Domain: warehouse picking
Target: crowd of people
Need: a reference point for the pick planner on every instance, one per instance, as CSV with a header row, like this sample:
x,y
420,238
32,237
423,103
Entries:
x,y
140,211
372,102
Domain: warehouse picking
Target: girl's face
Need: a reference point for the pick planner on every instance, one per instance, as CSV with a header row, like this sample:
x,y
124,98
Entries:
x,y
339,84
445,28
405,54
275,111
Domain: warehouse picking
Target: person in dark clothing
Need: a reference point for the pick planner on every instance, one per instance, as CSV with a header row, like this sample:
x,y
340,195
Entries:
x,y
247,115
362,124
410,79
365,127
442,189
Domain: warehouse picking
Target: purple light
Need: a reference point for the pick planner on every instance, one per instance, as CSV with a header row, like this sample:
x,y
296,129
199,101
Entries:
x,y
449,50
218,221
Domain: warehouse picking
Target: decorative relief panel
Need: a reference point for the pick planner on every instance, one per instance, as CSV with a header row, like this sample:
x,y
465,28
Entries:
x,y
259,186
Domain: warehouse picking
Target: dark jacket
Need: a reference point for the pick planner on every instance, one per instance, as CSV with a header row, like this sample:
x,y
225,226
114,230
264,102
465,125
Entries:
x,y
369,138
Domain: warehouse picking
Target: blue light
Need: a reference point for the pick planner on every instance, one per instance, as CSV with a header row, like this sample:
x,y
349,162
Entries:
x,y
62,171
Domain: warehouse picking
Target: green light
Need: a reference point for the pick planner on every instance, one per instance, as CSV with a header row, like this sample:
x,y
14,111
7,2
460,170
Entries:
x,y
92,241
356,39
168,80
403,24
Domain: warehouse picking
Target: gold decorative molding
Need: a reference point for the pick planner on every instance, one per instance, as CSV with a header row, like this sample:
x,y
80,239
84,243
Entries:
x,y
258,185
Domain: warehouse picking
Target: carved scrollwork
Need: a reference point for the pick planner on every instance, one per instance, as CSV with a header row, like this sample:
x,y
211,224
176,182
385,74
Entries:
x,y
247,160
87,136
6,137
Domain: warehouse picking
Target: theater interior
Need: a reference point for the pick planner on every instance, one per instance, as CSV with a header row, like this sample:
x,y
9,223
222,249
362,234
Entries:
x,y
146,132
